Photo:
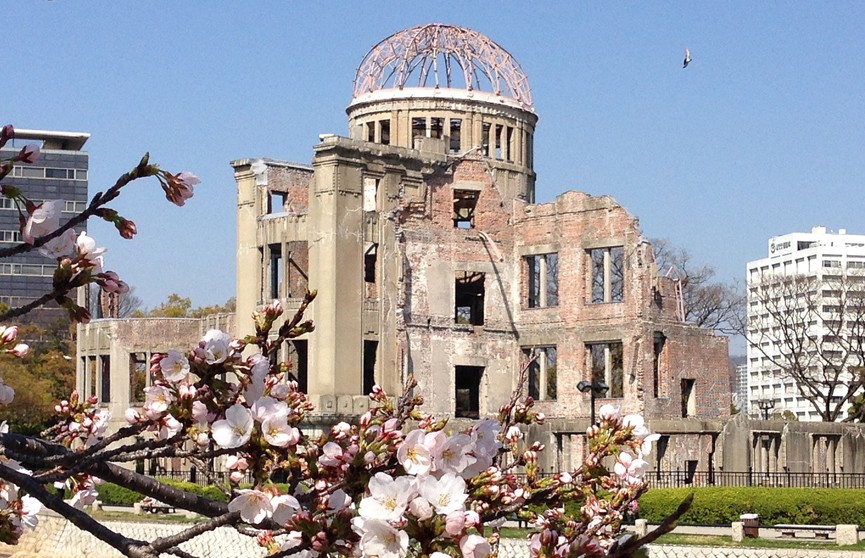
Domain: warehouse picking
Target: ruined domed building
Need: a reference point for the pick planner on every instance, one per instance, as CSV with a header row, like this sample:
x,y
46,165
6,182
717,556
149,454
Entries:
x,y
420,232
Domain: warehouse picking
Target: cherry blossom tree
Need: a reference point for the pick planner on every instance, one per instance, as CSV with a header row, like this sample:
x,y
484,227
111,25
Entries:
x,y
397,482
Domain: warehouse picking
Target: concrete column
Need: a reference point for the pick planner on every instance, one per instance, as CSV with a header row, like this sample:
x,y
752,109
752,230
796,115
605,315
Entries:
x,y
641,528
377,132
542,279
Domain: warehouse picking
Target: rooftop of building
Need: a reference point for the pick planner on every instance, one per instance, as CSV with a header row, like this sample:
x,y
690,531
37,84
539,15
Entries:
x,y
52,139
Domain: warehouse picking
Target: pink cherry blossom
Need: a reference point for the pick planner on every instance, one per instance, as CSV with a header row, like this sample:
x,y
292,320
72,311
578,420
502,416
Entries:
x,y
475,546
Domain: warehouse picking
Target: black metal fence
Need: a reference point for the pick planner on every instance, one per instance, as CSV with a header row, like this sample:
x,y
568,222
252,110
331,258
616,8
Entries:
x,y
681,478
656,479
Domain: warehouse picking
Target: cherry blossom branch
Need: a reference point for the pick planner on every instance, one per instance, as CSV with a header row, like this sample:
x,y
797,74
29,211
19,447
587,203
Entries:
x,y
127,546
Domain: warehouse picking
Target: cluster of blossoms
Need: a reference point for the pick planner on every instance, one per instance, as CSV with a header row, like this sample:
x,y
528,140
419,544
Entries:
x,y
79,260
17,510
395,483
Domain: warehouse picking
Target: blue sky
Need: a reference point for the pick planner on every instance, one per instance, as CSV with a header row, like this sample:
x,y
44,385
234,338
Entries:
x,y
761,135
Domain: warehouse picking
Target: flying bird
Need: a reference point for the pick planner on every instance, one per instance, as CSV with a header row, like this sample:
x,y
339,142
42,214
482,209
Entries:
x,y
687,58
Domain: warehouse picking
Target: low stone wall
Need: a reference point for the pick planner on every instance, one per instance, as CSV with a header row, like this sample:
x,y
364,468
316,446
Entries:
x,y
57,538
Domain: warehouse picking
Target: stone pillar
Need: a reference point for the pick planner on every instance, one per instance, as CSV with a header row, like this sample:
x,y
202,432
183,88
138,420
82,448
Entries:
x,y
738,531
641,528
846,534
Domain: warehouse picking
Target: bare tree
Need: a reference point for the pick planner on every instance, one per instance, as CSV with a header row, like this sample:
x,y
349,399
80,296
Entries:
x,y
129,303
811,330
708,302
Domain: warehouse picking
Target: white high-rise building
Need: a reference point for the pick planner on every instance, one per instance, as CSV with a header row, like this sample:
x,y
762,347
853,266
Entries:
x,y
807,280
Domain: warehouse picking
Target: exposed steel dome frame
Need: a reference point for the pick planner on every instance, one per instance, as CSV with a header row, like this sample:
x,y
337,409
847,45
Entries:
x,y
436,56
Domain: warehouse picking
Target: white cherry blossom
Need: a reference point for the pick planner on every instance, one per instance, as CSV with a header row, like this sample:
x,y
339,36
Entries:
x,y
235,429
174,367
446,494
382,540
216,346
388,497
254,506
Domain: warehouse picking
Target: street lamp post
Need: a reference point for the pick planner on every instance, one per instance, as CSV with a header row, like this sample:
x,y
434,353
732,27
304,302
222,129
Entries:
x,y
766,405
594,389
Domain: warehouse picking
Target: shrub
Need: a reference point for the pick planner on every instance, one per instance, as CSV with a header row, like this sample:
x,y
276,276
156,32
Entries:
x,y
723,505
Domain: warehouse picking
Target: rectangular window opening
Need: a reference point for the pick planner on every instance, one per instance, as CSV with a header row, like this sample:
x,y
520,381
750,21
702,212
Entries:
x,y
607,366
418,131
469,297
276,202
385,132
467,391
542,373
370,132
91,376
436,127
542,280
138,376
498,142
297,269
455,134
369,272
485,139
658,363
105,379
689,398
465,202
277,271
607,274
370,193
298,352
370,350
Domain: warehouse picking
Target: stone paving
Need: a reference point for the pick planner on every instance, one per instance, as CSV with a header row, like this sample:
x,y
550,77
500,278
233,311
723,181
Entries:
x,y
57,538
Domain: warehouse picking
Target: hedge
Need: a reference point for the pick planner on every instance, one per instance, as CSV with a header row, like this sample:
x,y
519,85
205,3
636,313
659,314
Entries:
x,y
114,495
723,505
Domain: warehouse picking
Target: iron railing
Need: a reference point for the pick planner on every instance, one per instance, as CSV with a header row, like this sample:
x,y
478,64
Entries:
x,y
683,478
655,479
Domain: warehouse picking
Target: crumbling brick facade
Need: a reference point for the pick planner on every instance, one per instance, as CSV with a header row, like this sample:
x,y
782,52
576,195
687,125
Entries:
x,y
419,233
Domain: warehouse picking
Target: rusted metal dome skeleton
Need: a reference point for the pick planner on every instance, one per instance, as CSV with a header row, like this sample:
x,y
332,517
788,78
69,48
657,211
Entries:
x,y
442,56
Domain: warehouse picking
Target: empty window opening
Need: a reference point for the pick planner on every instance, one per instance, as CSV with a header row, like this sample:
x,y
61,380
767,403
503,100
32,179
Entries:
x,y
138,376
277,270
105,379
298,269
298,363
469,295
369,272
542,280
418,130
689,398
276,202
455,135
485,139
370,193
510,155
465,202
498,141
370,350
542,373
91,376
468,388
370,132
608,274
690,471
660,453
658,363
607,366
436,127
385,132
